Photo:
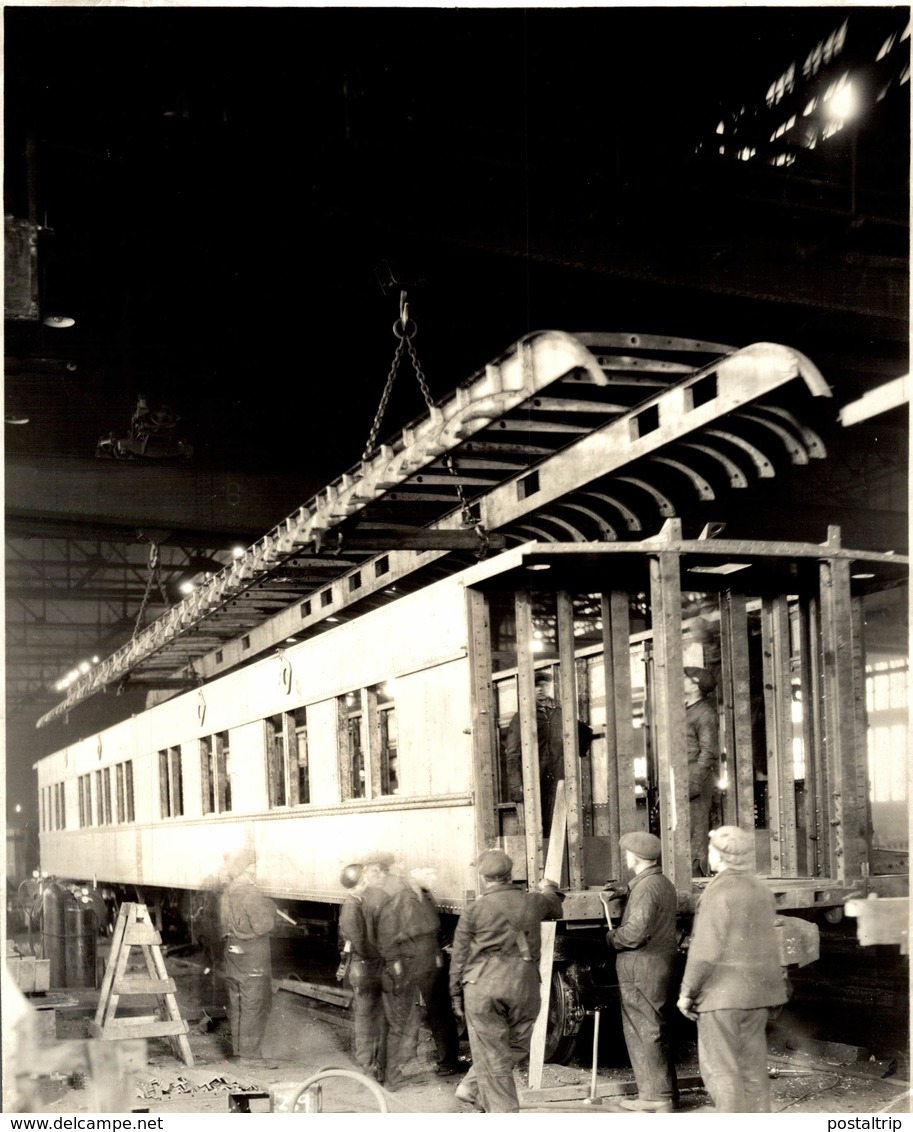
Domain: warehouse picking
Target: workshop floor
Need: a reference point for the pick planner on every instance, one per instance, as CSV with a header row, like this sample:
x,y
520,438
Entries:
x,y
305,1036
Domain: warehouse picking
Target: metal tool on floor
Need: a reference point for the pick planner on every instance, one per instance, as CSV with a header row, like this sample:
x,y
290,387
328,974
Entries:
x,y
592,1098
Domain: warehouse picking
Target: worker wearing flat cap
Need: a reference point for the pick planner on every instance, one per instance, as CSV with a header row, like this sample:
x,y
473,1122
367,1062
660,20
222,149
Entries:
x,y
494,979
363,967
247,917
646,944
733,975
702,747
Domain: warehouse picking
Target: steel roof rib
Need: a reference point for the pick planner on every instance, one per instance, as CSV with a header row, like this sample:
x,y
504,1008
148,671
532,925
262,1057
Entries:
x,y
396,478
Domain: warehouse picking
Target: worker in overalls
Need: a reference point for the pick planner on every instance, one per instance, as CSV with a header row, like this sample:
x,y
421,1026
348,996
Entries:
x,y
431,978
646,942
247,918
494,979
363,968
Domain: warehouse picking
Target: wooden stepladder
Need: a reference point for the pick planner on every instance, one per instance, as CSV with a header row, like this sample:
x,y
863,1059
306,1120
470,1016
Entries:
x,y
134,928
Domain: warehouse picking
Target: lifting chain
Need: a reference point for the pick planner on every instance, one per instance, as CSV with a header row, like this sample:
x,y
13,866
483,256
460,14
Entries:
x,y
405,330
468,520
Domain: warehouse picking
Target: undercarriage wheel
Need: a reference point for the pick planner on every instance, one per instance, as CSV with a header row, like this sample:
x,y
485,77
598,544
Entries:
x,y
559,1045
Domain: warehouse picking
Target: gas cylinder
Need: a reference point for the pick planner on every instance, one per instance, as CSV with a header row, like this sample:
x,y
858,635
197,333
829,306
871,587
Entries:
x,y
52,932
81,924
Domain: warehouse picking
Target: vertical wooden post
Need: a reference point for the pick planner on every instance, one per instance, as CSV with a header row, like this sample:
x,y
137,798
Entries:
x,y
779,731
571,739
847,816
618,641
861,720
606,822
736,689
827,865
811,737
529,739
669,717
484,731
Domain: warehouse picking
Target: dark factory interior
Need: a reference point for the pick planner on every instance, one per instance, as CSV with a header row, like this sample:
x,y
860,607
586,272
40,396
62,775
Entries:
x,y
211,214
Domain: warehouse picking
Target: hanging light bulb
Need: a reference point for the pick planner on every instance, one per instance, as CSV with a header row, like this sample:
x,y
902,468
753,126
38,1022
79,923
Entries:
x,y
59,321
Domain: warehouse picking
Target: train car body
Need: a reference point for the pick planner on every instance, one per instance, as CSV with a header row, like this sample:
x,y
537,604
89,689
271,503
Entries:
x,y
372,714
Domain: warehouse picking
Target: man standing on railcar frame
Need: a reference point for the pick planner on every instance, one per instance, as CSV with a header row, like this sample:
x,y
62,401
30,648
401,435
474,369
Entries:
x,y
494,979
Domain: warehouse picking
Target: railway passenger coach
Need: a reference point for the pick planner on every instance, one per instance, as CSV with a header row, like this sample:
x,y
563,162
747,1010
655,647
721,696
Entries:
x,y
384,725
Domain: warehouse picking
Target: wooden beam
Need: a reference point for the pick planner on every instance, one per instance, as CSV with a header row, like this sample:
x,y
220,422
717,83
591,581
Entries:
x,y
567,679
736,696
669,718
778,726
529,741
484,723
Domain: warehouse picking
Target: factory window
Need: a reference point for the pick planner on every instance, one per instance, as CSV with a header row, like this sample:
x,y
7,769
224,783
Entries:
x,y
886,707
60,807
85,800
103,794
214,774
287,759
171,783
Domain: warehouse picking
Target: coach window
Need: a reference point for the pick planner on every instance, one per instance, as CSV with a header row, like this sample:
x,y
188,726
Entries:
x,y
84,784
287,759
386,720
214,773
352,783
123,788
103,794
171,783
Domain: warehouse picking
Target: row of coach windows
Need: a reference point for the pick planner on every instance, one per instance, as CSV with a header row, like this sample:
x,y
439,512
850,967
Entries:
x,y
104,797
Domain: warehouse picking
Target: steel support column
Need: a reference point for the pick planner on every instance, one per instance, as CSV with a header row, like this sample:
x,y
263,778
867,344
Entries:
x,y
529,741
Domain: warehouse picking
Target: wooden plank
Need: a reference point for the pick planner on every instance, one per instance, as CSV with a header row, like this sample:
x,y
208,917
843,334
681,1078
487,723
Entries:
x,y
603,1089
529,741
117,940
341,997
140,1028
567,681
736,693
140,984
669,717
810,738
826,864
620,690
484,724
840,717
606,820
553,867
778,731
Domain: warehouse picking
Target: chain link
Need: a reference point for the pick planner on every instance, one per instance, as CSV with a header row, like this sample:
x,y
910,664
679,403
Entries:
x,y
405,330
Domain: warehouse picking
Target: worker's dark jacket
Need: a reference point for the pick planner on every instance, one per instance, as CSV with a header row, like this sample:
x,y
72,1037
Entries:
x,y
702,743
245,912
403,916
733,958
550,736
648,923
500,925
358,921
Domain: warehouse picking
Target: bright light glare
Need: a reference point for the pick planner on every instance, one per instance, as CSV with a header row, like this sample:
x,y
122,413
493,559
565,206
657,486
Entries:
x,y
187,587
843,103
237,552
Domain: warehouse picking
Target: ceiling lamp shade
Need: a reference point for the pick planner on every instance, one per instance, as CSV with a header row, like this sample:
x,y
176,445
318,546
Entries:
x,y
59,321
